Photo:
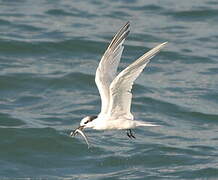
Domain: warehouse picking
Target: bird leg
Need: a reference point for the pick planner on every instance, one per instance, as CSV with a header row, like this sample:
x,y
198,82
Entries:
x,y
129,133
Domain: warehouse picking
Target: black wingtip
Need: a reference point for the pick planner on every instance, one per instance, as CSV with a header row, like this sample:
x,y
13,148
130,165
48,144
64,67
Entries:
x,y
127,25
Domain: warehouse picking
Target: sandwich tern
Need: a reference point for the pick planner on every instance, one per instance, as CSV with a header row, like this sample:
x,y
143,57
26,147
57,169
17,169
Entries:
x,y
115,90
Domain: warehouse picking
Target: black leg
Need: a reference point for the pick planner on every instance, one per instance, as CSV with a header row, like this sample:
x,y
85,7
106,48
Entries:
x,y
129,134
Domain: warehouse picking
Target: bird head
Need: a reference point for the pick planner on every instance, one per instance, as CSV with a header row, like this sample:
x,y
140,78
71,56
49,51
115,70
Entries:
x,y
86,122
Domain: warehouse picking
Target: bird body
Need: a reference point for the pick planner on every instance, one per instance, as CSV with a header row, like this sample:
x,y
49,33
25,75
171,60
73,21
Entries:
x,y
115,90
109,123
113,124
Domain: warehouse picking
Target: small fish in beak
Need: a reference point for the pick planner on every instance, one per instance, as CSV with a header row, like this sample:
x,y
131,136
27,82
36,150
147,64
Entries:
x,y
79,130
74,133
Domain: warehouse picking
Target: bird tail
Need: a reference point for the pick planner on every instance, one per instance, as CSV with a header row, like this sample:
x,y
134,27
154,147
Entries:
x,y
140,123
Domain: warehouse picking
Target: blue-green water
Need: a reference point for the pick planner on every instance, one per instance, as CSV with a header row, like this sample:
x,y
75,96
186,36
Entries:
x,y
49,51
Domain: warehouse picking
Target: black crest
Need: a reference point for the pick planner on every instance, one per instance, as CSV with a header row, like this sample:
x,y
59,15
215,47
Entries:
x,y
91,118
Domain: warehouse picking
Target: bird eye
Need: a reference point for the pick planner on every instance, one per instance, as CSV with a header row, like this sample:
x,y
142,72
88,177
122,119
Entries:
x,y
86,122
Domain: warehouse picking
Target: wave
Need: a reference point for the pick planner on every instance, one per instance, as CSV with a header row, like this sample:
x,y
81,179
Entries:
x,y
194,15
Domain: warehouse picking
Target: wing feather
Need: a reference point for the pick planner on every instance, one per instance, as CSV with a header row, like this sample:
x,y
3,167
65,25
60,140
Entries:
x,y
107,68
121,86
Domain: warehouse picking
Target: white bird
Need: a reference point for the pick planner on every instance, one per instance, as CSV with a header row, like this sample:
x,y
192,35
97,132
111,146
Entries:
x,y
115,90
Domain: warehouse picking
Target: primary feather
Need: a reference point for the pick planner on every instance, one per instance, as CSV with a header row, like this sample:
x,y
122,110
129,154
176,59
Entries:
x,y
121,86
107,67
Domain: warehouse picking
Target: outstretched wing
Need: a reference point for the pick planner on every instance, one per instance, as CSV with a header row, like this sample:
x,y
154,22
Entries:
x,y
120,88
107,68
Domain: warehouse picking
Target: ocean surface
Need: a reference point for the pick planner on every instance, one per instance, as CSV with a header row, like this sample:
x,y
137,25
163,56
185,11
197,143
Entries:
x,y
49,51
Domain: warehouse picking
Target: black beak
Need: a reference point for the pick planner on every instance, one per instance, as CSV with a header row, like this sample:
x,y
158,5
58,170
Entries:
x,y
74,133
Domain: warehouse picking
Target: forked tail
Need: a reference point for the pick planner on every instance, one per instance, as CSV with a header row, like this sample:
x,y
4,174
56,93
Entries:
x,y
141,123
